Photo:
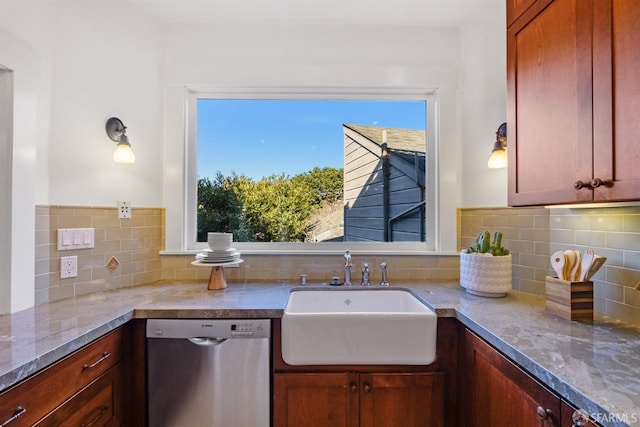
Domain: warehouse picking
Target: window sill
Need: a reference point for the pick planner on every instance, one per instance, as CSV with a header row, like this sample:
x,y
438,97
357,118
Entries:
x,y
308,250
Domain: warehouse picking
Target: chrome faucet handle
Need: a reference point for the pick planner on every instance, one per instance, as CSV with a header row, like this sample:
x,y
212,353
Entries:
x,y
365,274
383,267
347,268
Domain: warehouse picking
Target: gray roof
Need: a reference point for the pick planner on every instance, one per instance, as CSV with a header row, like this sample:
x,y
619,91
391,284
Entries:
x,y
397,139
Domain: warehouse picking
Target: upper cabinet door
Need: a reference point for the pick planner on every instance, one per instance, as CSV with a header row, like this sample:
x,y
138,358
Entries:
x,y
549,114
515,8
616,98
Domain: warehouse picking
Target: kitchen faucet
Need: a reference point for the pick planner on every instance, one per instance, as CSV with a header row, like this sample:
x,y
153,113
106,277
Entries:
x,y
365,274
347,269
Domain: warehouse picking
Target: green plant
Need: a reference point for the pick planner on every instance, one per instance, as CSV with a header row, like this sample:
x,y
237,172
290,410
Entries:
x,y
484,245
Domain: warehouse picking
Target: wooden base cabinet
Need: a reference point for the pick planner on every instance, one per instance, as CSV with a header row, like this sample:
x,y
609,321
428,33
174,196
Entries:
x,y
352,399
500,394
101,384
370,395
97,405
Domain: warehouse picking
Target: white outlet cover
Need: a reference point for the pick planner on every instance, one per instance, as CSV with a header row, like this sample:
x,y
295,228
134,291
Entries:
x,y
68,267
124,210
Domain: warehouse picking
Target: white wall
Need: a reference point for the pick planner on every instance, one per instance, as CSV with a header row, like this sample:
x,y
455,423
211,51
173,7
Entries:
x,y
483,89
74,64
19,82
96,62
96,59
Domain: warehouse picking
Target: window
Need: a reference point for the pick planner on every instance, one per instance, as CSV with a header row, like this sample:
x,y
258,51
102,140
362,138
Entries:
x,y
314,168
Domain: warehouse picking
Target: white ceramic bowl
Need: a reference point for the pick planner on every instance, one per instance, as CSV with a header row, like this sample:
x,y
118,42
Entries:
x,y
219,241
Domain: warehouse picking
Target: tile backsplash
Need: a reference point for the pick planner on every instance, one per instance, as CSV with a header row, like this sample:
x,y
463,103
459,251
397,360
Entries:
x,y
318,268
136,244
531,234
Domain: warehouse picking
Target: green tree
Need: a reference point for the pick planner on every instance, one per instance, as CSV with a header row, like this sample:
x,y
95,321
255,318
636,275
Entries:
x,y
328,183
220,208
274,209
277,207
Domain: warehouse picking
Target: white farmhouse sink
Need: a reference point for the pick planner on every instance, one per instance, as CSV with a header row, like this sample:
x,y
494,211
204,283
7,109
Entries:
x,y
347,326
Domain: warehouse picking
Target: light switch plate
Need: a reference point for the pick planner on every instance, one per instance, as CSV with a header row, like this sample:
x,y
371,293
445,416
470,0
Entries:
x,y
75,238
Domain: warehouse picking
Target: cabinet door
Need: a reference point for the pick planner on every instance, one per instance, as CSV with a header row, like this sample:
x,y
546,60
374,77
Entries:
x,y
616,98
549,114
502,395
316,400
515,8
43,392
97,405
407,400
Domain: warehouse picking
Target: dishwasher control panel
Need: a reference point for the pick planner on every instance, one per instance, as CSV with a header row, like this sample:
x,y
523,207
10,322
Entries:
x,y
208,328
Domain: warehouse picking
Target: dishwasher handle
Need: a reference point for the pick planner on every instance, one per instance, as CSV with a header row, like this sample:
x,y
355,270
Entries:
x,y
206,341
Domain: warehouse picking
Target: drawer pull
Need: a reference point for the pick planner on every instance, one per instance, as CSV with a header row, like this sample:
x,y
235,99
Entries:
x,y
103,410
105,355
19,411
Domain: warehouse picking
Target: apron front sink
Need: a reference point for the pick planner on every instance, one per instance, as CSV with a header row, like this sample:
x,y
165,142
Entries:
x,y
351,326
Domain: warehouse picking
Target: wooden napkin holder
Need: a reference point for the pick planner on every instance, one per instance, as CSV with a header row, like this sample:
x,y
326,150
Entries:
x,y
569,300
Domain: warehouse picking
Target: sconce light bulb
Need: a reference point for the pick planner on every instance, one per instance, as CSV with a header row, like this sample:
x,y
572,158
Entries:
x,y
124,154
498,159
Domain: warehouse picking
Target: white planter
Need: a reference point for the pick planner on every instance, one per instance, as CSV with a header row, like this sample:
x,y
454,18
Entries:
x,y
485,275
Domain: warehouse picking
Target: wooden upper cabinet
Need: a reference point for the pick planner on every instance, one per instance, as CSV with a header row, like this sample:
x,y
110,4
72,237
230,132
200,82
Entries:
x,y
515,8
616,98
549,103
573,103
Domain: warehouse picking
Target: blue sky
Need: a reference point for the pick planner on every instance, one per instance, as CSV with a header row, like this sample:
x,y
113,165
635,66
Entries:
x,y
260,138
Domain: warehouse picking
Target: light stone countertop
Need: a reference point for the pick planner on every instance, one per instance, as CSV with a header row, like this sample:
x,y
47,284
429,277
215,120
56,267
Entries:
x,y
594,366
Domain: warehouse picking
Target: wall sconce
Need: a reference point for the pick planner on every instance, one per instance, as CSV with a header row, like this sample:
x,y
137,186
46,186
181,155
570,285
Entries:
x,y
116,131
498,157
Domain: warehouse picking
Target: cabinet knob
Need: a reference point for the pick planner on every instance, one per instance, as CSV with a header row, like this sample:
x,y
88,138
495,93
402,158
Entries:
x,y
591,184
597,182
543,414
367,388
353,387
578,185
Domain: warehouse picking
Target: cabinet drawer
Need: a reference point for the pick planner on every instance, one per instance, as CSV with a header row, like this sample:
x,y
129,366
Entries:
x,y
94,406
45,391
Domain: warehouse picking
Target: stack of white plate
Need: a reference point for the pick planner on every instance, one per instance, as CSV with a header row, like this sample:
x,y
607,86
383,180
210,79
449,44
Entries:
x,y
220,250
218,256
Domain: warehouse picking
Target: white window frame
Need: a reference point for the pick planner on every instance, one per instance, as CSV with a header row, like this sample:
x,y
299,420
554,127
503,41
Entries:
x,y
431,168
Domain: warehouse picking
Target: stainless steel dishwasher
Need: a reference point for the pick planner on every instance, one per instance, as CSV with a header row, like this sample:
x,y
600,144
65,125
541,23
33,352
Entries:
x,y
208,373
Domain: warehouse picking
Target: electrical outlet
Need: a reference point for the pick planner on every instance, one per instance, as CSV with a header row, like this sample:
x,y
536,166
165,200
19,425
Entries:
x,y
124,210
68,267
